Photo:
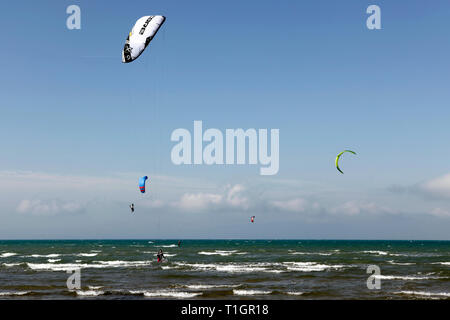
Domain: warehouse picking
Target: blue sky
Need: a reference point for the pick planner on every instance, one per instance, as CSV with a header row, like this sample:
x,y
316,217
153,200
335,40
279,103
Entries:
x,y
78,127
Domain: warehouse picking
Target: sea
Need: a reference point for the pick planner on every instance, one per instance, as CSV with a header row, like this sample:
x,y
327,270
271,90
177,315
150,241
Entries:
x,y
224,269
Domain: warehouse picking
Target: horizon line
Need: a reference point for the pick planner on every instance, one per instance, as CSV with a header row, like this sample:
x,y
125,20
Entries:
x,y
221,239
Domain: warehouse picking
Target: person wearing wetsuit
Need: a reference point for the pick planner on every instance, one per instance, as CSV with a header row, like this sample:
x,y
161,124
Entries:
x,y
132,207
160,255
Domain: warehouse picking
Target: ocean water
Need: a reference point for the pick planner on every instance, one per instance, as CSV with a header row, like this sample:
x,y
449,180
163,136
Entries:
x,y
224,269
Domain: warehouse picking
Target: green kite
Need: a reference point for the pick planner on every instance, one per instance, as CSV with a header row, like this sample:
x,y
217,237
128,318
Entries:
x,y
338,156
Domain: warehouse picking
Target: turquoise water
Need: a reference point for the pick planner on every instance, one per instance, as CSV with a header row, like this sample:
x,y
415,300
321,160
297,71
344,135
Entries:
x,y
224,269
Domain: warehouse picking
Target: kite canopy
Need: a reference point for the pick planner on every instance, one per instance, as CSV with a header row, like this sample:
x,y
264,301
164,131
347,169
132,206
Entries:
x,y
140,36
142,183
338,156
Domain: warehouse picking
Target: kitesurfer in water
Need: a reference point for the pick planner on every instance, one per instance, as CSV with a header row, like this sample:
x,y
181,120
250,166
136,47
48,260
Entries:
x,y
160,255
179,243
132,207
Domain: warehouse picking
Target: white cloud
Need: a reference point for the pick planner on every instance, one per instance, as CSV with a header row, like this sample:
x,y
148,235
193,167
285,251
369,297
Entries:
x,y
438,187
349,208
49,207
235,198
441,213
294,205
231,197
361,207
199,201
178,195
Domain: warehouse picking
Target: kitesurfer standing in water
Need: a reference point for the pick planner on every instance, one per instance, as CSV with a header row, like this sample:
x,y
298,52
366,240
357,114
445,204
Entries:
x,y
132,207
160,255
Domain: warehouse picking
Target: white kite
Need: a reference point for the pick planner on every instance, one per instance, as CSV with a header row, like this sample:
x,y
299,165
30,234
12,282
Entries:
x,y
140,36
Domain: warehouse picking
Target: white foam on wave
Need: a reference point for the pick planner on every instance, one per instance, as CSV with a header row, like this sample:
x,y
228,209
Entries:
x,y
401,263
166,293
443,263
310,266
167,246
155,254
120,263
97,265
184,295
311,253
86,254
52,255
53,260
170,254
295,293
7,254
250,292
94,287
424,293
208,253
221,252
56,267
210,286
230,268
404,277
13,293
239,268
381,253
167,267
419,255
92,293
11,264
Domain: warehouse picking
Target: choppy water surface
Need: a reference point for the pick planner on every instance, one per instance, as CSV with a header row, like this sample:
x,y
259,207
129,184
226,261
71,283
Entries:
x,y
221,269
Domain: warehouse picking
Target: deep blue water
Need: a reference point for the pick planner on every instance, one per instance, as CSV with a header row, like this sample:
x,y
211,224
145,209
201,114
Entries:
x,y
224,269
